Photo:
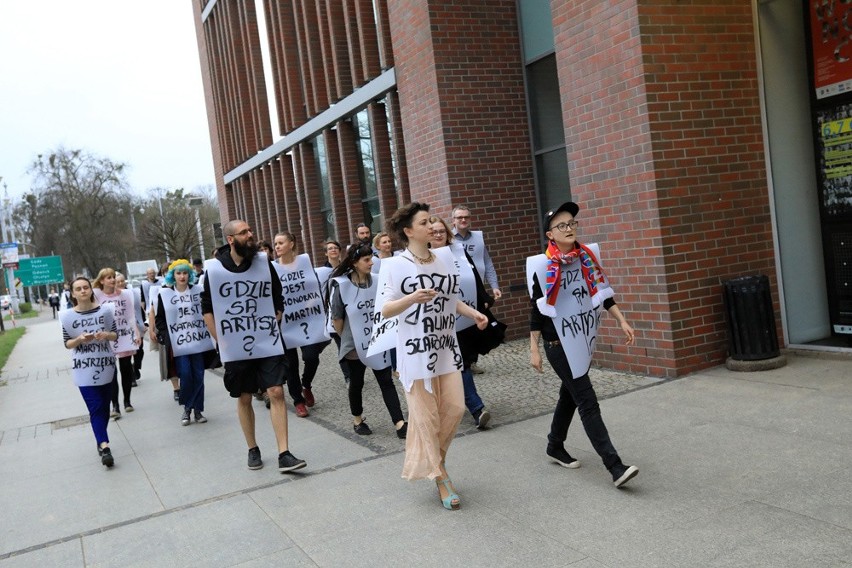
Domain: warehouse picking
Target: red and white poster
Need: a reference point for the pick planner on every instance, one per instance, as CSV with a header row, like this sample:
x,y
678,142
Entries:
x,y
831,42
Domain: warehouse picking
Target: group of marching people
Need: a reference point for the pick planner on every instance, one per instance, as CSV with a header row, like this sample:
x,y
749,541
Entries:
x,y
416,315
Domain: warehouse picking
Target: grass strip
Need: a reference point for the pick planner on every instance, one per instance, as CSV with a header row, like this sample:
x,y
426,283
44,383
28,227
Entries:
x,y
8,339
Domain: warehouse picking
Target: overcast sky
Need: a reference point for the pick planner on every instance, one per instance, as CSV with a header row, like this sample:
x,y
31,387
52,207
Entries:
x,y
116,78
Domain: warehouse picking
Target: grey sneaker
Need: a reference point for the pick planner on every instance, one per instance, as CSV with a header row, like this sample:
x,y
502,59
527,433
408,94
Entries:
x,y
254,461
185,420
288,462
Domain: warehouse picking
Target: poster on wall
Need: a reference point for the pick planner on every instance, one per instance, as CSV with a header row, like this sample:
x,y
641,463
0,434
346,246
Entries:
x,y
835,159
831,45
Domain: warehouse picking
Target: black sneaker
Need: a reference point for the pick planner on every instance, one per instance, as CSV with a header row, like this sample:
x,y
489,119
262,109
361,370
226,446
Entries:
x,y
177,396
482,418
289,462
200,418
403,431
254,461
563,458
106,457
362,429
185,420
621,474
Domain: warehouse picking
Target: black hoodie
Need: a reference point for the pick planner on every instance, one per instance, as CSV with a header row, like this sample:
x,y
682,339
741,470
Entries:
x,y
223,255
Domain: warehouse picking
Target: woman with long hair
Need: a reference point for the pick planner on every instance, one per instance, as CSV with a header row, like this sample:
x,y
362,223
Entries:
x,y
89,329
473,292
304,325
353,295
179,309
129,334
420,287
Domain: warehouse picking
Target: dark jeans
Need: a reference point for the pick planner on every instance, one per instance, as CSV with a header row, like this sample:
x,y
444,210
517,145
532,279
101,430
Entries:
x,y
578,394
356,386
294,385
190,369
471,398
137,360
311,359
125,368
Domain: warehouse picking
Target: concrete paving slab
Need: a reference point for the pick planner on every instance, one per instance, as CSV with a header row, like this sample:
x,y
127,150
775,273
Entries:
x,y
753,534
367,512
221,533
63,554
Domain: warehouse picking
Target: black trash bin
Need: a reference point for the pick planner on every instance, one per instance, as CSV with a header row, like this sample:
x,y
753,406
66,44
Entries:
x,y
751,319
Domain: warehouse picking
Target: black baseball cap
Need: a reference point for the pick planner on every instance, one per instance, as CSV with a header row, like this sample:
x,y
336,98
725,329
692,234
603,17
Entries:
x,y
568,206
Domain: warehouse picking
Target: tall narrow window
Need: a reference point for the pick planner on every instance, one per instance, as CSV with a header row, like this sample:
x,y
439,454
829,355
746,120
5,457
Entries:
x,y
324,187
367,172
545,106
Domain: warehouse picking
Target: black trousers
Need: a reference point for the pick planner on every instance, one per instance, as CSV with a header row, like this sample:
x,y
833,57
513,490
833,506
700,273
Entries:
x,y
125,368
578,394
356,387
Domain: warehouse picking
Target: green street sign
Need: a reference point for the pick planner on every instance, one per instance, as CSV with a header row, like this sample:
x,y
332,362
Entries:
x,y
40,270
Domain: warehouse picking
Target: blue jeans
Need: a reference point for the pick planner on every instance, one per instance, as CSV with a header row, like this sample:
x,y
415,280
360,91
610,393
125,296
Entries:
x,y
190,369
471,398
578,394
97,400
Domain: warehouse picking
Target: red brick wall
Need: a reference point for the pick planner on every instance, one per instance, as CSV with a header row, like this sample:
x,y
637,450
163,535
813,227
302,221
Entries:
x,y
461,93
663,126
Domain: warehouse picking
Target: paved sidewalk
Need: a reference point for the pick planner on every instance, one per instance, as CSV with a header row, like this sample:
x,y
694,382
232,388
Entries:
x,y
737,469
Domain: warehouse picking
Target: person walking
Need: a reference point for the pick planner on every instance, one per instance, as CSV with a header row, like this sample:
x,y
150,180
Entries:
x,y
419,288
141,324
180,325
474,294
87,330
129,334
303,323
474,244
242,305
353,295
53,300
567,284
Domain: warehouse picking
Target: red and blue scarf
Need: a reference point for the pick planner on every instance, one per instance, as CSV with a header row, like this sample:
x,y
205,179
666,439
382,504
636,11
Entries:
x,y
594,276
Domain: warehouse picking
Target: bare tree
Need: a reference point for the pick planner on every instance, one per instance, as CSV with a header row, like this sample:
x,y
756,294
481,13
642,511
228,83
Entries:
x,y
168,227
79,207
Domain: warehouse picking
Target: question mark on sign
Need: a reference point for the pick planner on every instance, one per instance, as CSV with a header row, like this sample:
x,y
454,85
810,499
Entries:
x,y
304,326
248,344
433,360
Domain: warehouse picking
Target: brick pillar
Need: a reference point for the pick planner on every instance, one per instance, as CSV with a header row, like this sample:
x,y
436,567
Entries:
x,y
461,93
663,127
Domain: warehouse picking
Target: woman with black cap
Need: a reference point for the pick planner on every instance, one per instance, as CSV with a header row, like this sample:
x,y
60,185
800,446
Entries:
x,y
568,286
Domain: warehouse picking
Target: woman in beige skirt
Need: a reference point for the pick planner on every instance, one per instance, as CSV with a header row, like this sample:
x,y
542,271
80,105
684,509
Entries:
x,y
421,289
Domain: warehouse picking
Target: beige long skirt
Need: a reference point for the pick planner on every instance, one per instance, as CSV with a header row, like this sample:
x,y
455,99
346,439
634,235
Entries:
x,y
433,419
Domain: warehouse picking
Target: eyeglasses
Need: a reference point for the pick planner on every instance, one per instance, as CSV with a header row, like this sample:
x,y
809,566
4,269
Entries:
x,y
242,233
565,227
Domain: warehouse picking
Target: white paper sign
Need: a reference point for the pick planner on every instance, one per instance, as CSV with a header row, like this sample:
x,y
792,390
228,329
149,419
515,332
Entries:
x,y
125,320
304,319
576,320
361,317
187,332
93,363
246,326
